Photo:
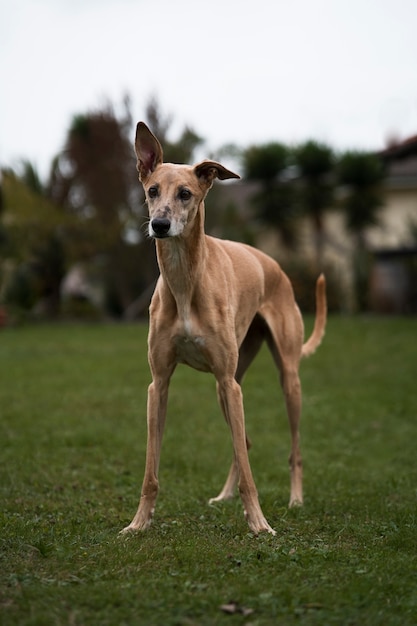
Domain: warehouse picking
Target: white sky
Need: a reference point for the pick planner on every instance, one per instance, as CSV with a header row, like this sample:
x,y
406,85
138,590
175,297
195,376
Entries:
x,y
242,71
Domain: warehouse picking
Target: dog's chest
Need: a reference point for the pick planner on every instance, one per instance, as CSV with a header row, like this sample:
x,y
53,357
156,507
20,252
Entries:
x,y
190,347
191,351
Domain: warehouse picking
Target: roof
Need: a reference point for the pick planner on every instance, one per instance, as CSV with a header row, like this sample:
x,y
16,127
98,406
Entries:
x,y
400,160
400,150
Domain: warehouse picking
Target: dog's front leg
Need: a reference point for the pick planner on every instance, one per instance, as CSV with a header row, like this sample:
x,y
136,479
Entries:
x,y
231,401
157,406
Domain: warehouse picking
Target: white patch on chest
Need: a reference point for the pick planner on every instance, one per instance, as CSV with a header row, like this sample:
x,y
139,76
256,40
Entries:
x,y
188,328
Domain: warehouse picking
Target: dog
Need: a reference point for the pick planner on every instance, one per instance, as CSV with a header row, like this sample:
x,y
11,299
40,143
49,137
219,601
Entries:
x,y
214,304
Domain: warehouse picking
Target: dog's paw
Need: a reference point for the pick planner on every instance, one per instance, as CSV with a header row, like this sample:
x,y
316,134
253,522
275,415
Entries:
x,y
221,497
136,526
258,524
263,528
128,530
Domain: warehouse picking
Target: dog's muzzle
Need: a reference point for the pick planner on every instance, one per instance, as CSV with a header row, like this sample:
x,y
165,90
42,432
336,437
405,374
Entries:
x,y
160,227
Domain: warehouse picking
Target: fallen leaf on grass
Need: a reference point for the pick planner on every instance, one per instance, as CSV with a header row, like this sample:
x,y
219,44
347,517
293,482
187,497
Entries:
x,y
233,608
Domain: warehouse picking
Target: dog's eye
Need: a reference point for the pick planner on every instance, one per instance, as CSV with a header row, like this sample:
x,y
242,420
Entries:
x,y
184,194
153,191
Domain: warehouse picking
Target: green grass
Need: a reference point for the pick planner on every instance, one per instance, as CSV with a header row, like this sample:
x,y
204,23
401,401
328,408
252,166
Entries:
x,y
72,446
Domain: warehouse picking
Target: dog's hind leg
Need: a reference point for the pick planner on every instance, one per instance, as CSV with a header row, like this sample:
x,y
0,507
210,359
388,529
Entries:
x,y
229,488
231,401
292,391
285,348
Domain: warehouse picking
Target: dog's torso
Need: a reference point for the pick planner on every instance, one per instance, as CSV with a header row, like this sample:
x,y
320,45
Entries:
x,y
238,284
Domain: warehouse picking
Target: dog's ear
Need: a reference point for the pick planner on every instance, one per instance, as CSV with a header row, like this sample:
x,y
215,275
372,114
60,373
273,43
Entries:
x,y
207,171
148,151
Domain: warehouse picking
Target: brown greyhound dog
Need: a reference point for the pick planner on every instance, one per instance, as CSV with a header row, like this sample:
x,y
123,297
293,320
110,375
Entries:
x,y
214,304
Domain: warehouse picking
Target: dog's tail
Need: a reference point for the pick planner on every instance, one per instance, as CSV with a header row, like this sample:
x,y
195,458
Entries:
x,y
314,341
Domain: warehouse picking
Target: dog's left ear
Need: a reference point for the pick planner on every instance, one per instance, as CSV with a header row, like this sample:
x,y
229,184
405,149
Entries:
x,y
148,151
207,171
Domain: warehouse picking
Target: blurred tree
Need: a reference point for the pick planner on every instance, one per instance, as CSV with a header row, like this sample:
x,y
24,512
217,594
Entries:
x,y
33,246
94,176
315,162
30,176
274,203
361,174
95,179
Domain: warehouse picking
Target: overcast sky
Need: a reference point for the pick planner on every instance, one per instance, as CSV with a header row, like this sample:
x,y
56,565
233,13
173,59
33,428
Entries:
x,y
340,71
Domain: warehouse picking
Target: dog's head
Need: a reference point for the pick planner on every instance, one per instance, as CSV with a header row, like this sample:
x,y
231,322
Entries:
x,y
173,192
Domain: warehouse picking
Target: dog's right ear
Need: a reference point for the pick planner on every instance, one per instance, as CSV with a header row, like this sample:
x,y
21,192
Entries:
x,y
148,151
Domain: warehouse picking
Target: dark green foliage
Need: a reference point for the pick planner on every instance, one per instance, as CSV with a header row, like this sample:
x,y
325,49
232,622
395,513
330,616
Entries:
x,y
265,162
20,291
314,159
31,178
274,202
360,169
362,173
275,206
73,433
315,162
361,209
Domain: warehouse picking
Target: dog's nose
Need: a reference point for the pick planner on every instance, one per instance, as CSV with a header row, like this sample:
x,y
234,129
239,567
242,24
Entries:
x,y
160,226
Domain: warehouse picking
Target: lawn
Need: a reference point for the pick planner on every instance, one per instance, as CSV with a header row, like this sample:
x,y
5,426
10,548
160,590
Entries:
x,y
73,435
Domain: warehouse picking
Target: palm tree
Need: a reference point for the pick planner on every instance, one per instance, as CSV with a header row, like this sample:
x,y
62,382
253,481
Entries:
x,y
361,174
274,202
315,162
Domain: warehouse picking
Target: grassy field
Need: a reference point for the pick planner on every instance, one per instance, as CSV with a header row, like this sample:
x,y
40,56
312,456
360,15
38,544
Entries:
x,y
72,433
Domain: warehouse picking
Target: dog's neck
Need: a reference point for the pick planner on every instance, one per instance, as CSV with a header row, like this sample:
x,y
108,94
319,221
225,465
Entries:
x,y
181,261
